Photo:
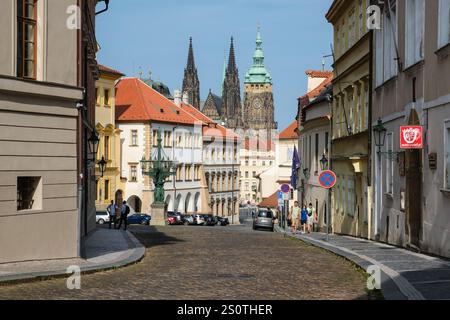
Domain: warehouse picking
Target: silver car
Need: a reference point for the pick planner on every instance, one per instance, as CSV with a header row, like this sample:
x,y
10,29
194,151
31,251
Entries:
x,y
263,219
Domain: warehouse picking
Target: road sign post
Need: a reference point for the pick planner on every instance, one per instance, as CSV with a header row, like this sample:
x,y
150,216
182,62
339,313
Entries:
x,y
327,179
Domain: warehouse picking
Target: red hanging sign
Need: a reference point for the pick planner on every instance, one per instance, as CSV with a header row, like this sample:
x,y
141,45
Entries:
x,y
411,137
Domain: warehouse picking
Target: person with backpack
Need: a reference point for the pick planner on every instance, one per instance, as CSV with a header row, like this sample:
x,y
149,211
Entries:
x,y
124,215
112,209
304,218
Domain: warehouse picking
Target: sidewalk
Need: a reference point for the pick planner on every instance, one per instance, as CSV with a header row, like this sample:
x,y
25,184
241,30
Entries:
x,y
405,275
104,249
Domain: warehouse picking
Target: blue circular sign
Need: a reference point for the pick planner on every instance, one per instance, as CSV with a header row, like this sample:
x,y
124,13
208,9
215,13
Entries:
x,y
327,179
285,188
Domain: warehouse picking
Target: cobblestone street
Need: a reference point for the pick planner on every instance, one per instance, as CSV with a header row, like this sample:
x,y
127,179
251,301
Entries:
x,y
212,263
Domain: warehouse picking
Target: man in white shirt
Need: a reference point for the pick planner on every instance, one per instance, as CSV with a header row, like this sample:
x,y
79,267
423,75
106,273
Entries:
x,y
112,209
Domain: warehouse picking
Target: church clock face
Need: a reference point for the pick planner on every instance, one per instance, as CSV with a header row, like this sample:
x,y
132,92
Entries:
x,y
257,103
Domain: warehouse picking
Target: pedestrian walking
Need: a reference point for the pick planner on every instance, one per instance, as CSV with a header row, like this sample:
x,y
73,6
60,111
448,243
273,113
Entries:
x,y
112,210
304,218
295,217
311,217
125,211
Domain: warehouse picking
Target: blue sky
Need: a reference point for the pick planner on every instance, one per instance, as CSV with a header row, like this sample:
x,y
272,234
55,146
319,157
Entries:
x,y
154,35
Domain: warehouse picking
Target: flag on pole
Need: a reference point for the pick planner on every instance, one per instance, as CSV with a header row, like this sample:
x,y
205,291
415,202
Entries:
x,y
295,167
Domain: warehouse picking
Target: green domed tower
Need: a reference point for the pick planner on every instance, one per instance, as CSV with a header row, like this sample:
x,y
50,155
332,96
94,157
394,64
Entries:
x,y
258,103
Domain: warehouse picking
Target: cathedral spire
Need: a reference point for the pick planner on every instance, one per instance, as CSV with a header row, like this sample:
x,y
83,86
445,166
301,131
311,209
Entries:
x,y
191,61
191,84
232,58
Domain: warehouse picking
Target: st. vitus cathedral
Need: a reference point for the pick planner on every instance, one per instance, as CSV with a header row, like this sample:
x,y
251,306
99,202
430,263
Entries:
x,y
257,111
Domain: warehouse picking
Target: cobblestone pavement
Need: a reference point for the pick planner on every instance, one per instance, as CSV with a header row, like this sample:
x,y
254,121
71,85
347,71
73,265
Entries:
x,y
212,263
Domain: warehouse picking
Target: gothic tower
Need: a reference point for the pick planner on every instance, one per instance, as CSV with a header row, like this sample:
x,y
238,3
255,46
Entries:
x,y
231,94
258,104
191,84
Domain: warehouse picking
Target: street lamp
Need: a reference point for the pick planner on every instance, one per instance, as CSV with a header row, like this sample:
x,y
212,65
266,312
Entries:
x,y
93,144
379,135
102,166
324,162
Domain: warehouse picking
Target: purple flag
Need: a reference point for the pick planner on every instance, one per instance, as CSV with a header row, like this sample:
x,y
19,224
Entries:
x,y
295,167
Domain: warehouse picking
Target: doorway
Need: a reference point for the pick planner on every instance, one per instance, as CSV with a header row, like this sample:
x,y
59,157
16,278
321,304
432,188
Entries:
x,y
413,166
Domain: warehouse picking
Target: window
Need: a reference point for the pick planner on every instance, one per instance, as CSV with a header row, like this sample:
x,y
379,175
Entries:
x,y
26,38
351,198
247,186
246,163
444,23
97,96
263,163
29,193
188,172
414,31
167,139
106,154
447,155
107,97
316,154
155,138
254,163
246,174
254,174
386,45
107,190
389,164
134,138
179,140
133,173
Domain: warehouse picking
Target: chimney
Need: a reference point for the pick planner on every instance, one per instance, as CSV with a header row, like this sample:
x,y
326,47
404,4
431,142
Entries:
x,y
177,98
185,98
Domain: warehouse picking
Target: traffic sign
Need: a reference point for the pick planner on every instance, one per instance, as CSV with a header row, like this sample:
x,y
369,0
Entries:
x,y
327,179
280,198
285,188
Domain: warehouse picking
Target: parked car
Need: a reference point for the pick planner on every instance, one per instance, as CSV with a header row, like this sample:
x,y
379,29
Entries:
x,y
102,217
177,216
263,219
187,219
172,220
199,219
221,221
139,218
210,220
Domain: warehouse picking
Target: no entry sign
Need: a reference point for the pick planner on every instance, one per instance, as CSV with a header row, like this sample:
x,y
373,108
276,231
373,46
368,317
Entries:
x,y
327,179
411,137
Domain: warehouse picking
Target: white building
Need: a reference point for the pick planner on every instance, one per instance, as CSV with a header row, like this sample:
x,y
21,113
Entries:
x,y
141,113
220,165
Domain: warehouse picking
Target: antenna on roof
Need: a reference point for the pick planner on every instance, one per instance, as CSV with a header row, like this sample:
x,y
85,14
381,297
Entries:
x,y
323,60
149,74
140,72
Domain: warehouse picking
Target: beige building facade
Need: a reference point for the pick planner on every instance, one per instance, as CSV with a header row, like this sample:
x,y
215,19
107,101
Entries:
x,y
109,186
412,87
39,94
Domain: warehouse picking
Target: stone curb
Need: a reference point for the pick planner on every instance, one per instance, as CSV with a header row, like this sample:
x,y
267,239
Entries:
x,y
138,252
392,287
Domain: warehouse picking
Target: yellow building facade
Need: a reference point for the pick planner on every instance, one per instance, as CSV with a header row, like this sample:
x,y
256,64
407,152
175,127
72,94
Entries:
x,y
351,118
109,186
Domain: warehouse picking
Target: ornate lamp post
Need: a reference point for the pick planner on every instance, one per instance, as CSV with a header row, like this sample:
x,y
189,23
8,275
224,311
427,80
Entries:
x,y
159,168
324,162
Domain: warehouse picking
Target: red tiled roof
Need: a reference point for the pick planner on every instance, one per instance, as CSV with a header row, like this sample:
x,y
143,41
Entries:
x,y
106,69
136,101
270,202
319,74
212,129
305,99
289,132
